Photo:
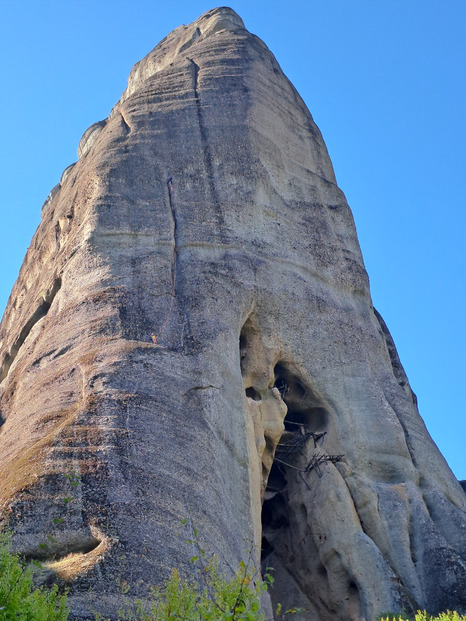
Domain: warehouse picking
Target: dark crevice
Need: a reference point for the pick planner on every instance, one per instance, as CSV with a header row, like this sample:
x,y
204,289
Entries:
x,y
304,407
37,315
266,549
171,201
353,587
253,394
62,351
275,509
53,550
46,355
275,513
202,130
70,214
299,463
277,480
242,342
354,606
247,343
411,535
207,155
197,388
322,570
52,354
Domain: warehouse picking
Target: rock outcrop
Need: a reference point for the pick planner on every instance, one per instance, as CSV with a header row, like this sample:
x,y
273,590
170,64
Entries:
x,y
192,336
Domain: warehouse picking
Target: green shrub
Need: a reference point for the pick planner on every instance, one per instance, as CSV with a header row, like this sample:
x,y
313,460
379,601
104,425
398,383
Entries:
x,y
19,599
211,597
422,615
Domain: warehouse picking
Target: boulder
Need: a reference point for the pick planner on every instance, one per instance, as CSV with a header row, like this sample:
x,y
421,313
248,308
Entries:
x,y
191,344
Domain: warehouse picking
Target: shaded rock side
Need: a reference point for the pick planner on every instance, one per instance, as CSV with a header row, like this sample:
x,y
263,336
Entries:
x,y
191,338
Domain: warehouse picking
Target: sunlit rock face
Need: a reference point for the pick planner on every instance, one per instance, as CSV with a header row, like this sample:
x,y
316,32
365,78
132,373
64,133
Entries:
x,y
191,338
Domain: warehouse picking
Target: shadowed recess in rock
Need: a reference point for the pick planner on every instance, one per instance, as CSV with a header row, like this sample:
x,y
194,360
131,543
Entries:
x,y
304,408
40,312
57,547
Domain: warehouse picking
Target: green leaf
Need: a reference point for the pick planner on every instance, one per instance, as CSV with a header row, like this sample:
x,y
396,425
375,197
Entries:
x,y
19,598
58,520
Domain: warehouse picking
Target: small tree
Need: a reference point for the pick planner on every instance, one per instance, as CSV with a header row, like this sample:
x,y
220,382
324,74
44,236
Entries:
x,y
210,596
216,599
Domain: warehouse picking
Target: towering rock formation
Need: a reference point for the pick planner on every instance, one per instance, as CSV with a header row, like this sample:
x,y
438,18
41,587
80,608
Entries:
x,y
192,335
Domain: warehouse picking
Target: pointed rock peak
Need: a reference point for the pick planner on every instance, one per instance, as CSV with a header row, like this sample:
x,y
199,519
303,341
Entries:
x,y
178,42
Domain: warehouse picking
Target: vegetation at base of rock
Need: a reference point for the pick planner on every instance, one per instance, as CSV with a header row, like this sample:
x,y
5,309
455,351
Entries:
x,y
20,600
211,597
422,615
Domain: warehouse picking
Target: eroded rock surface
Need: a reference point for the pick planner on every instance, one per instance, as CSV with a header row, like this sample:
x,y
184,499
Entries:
x,y
191,336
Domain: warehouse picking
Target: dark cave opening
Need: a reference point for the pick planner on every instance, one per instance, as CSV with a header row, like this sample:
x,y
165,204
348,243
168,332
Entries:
x,y
277,480
305,412
246,344
274,519
253,394
274,512
305,426
266,551
306,421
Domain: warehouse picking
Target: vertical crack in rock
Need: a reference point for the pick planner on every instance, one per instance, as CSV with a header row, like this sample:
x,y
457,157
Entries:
x,y
171,200
57,235
207,155
36,316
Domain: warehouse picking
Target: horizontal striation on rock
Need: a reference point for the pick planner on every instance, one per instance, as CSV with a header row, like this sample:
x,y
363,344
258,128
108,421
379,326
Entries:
x,y
191,337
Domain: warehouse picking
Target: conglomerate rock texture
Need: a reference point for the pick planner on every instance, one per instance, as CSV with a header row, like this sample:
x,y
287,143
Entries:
x,y
191,336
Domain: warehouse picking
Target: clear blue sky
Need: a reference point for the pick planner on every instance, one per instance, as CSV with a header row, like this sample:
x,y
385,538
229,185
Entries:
x,y
386,83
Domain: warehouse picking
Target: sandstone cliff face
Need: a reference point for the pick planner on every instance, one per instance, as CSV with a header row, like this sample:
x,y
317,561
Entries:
x,y
191,336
